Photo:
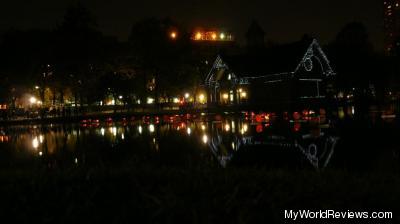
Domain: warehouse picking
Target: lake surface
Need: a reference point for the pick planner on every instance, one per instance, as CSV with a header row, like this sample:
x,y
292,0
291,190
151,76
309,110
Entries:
x,y
301,140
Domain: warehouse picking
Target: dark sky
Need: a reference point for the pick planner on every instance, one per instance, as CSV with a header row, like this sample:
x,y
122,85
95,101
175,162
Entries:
x,y
283,20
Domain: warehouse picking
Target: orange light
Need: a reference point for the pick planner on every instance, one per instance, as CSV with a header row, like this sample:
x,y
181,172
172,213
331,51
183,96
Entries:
x,y
173,35
214,36
199,35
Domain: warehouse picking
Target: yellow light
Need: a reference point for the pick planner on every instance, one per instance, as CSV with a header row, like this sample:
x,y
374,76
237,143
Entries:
x,y
240,90
214,36
150,100
225,96
176,100
202,98
227,127
244,129
243,94
222,36
203,127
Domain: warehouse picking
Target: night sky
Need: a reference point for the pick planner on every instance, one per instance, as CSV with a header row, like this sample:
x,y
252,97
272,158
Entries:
x,y
283,20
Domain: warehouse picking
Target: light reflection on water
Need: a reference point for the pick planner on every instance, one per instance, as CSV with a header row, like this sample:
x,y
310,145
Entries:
x,y
222,136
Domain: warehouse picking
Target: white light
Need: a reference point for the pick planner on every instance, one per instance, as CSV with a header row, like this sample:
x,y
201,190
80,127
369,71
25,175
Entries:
x,y
122,136
205,139
140,129
40,153
189,131
76,160
35,143
32,100
114,131
36,87
102,131
176,100
222,36
233,145
120,97
187,95
229,77
151,128
41,138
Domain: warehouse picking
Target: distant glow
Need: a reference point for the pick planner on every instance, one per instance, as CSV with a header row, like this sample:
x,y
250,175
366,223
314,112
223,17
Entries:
x,y
240,90
203,127
176,100
41,138
187,95
227,127
40,153
122,136
222,36
205,139
150,100
225,96
173,35
189,131
120,97
32,100
35,143
243,94
202,98
36,87
114,131
244,129
102,131
214,36
199,35
140,129
151,128
233,145
76,160
229,77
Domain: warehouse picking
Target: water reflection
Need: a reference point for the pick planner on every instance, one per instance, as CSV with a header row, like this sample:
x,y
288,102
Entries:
x,y
225,137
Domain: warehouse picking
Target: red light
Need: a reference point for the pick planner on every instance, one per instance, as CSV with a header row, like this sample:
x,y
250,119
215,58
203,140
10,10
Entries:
x,y
259,128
